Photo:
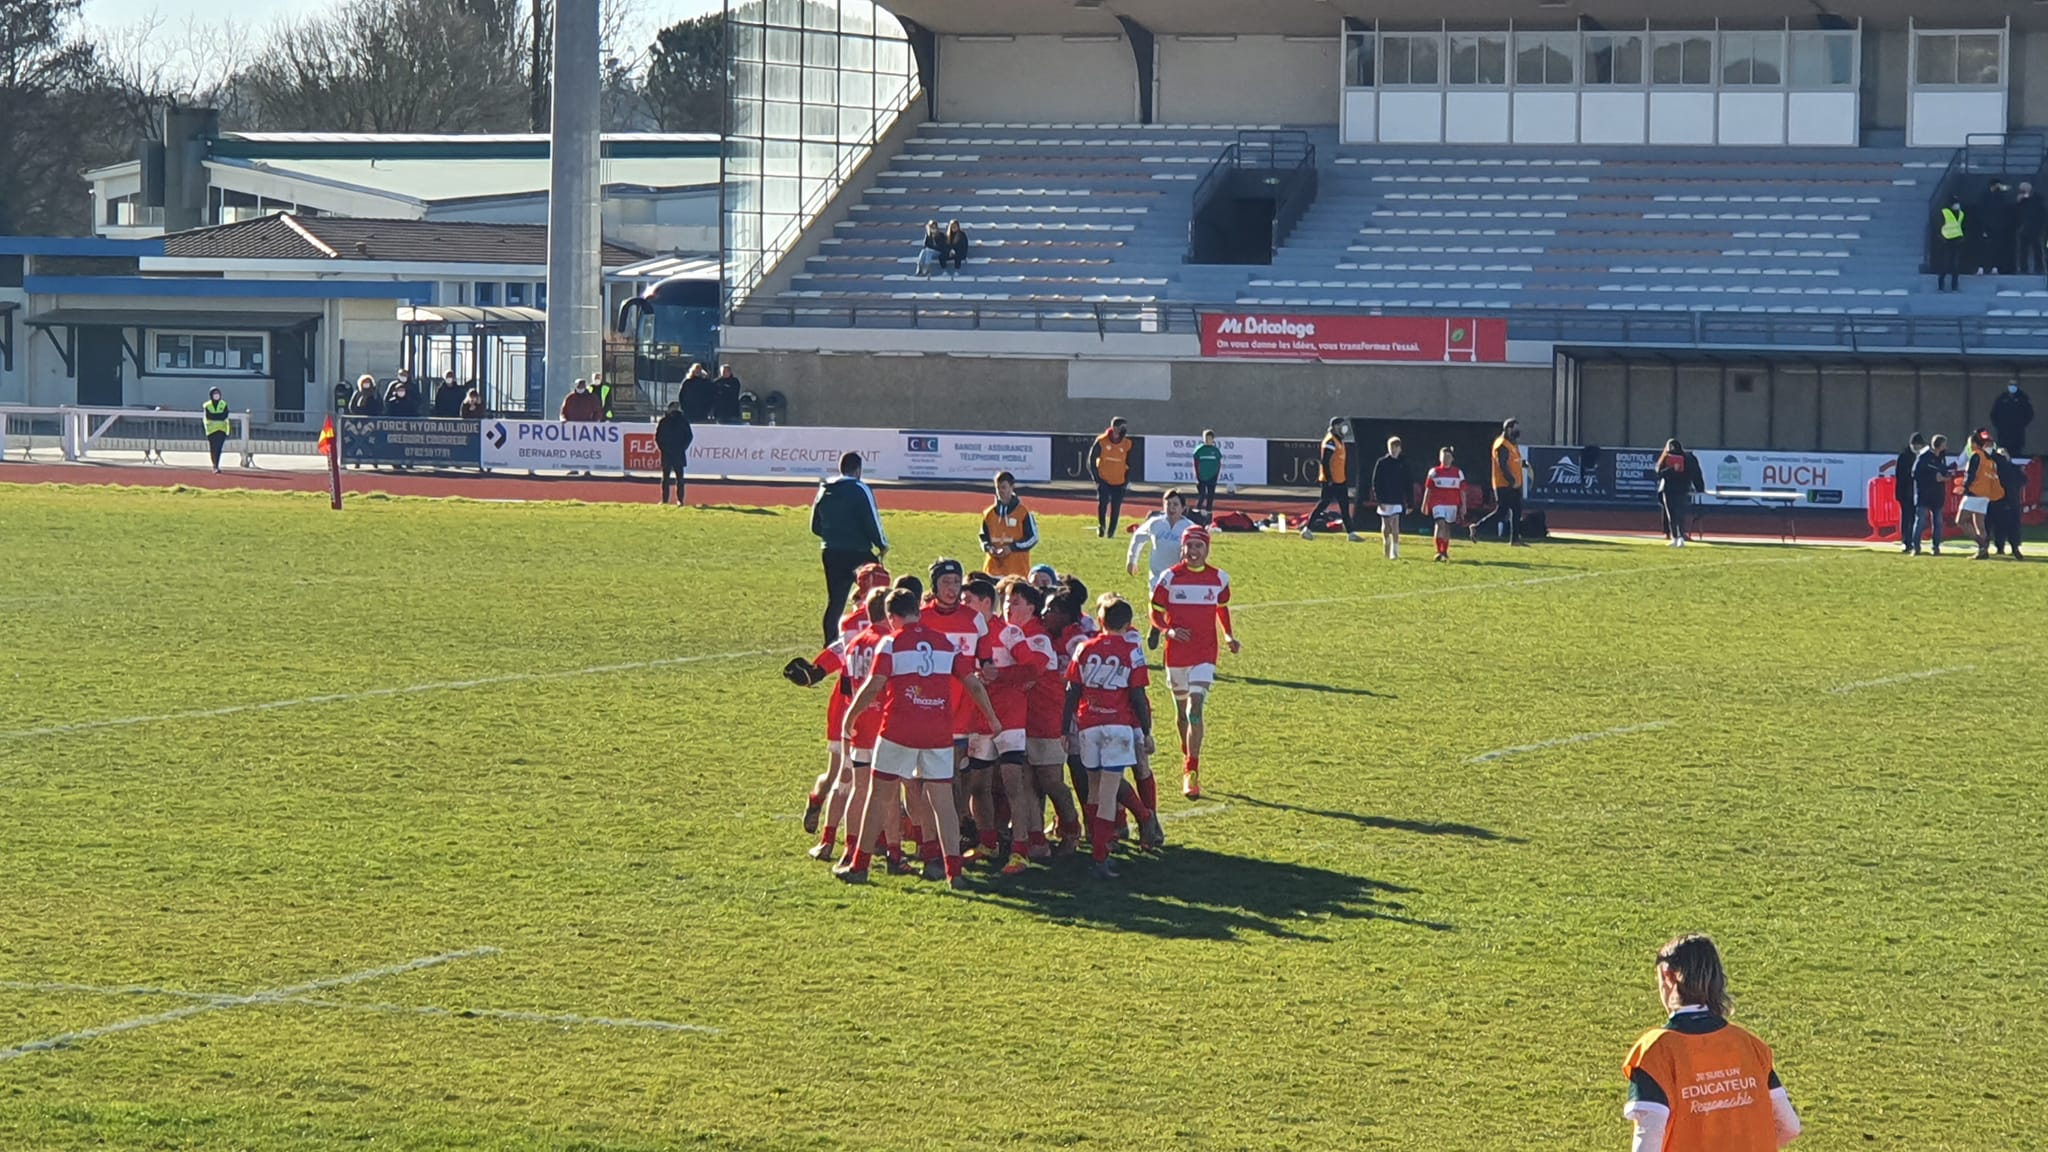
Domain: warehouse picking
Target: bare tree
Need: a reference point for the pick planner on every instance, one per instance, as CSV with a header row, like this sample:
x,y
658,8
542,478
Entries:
x,y
621,59
45,116
395,66
143,67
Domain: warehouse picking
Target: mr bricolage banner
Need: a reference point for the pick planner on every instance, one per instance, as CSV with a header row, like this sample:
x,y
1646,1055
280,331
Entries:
x,y
768,451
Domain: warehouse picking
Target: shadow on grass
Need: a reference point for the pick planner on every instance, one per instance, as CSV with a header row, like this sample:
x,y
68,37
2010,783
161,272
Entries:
x,y
1197,894
739,508
1305,686
1387,823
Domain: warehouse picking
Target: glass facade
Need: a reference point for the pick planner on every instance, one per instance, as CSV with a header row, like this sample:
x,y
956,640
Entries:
x,y
813,84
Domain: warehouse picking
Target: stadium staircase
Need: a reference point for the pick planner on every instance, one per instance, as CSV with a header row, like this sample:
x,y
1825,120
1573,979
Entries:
x,y
1076,215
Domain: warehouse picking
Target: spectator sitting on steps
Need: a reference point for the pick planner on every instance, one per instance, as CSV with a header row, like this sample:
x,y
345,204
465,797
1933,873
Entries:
x,y
956,247
933,251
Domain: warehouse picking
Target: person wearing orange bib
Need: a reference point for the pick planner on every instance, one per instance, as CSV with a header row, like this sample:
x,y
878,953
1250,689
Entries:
x,y
1507,483
1699,1083
1109,462
1008,531
1981,489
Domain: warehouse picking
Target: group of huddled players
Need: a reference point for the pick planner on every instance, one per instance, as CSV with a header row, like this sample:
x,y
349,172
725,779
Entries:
x,y
956,706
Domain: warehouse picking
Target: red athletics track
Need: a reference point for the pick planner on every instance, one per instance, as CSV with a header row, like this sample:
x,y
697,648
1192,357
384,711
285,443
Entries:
x,y
476,486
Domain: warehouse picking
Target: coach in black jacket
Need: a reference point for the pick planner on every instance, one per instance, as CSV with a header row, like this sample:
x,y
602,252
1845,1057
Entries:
x,y
1905,491
848,525
673,436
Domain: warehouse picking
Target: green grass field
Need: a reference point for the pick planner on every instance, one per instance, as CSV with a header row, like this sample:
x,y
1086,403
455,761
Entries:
x,y
1368,936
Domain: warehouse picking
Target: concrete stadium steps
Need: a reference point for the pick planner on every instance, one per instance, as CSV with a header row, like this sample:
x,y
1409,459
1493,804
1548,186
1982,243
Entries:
x,y
1076,215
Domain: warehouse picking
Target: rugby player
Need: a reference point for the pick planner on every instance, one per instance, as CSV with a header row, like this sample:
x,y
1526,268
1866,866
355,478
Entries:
x,y
1443,489
867,578
1108,718
1190,604
916,675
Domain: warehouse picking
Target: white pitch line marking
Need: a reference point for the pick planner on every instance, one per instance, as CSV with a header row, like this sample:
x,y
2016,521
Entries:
x,y
1530,582
380,693
234,1000
1581,738
216,1004
1902,678
1196,812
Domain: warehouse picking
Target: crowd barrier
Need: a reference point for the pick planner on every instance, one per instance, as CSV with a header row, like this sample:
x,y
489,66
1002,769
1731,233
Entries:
x,y
75,432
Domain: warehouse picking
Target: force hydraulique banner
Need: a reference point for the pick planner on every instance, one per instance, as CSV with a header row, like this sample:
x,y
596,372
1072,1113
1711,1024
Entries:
x,y
423,443
1171,460
1286,336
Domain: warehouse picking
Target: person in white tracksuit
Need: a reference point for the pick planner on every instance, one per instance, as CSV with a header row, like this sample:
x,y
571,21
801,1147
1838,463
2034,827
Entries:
x,y
1162,531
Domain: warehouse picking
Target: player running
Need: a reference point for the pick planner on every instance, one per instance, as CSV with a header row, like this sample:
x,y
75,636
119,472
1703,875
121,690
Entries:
x,y
1443,491
1161,532
1108,718
1189,604
916,675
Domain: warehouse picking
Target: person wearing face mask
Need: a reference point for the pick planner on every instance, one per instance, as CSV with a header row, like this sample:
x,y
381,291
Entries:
x,y
2010,415
1507,483
1698,1083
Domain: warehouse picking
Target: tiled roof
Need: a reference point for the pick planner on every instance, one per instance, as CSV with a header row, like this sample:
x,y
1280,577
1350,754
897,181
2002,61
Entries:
x,y
290,237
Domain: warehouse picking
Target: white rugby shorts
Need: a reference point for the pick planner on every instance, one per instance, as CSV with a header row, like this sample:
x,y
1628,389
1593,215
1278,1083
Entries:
x,y
1448,513
1979,504
893,759
1196,678
1109,748
1390,509
981,747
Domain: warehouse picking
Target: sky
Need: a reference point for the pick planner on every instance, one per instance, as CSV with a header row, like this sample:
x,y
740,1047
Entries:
x,y
174,15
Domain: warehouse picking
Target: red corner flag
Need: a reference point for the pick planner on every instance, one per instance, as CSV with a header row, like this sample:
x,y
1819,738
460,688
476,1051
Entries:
x,y
327,437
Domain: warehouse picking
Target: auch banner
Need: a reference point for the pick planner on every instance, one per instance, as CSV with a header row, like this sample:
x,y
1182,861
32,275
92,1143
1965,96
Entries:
x,y
1734,478
1415,339
553,446
396,440
1171,460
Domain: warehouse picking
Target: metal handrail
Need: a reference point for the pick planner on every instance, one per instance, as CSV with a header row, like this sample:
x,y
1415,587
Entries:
x,y
1297,192
2017,335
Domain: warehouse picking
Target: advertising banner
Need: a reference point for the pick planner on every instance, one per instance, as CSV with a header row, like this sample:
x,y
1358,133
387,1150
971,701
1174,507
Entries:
x,y
553,446
1423,339
1818,479
1171,460
1591,475
420,443
973,456
747,450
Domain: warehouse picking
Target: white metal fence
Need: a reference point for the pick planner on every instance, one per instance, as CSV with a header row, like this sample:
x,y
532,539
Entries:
x,y
73,434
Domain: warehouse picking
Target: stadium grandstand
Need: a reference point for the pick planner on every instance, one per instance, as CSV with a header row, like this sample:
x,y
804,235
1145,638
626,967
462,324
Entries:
x,y
1646,197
